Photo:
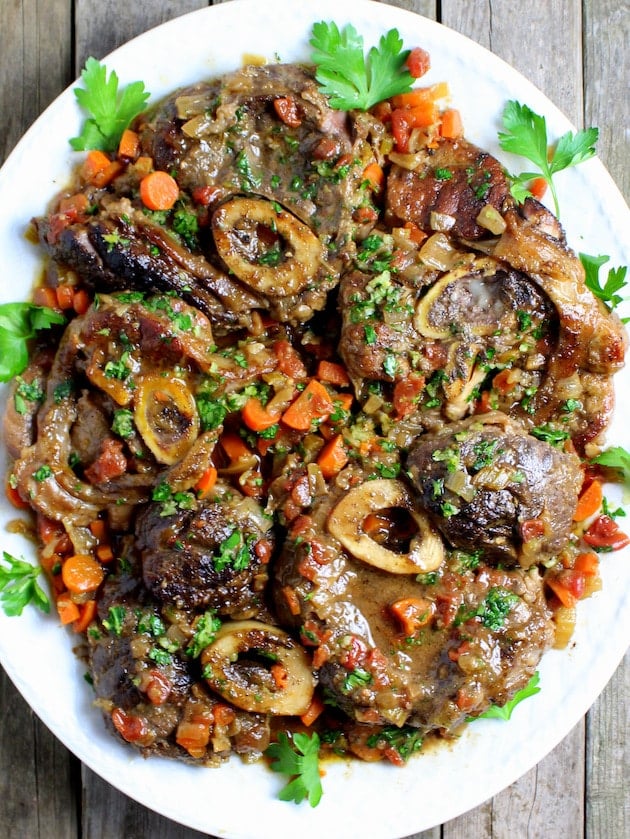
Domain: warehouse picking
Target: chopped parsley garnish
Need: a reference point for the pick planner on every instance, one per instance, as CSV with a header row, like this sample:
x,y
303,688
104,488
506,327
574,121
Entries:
x,y
26,392
615,457
358,678
234,552
548,434
122,423
206,628
186,225
63,390
496,607
172,501
406,739
114,621
43,473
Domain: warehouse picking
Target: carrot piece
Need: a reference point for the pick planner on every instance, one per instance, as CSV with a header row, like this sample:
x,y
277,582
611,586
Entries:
x,y
81,573
452,126
414,98
96,161
67,609
223,715
333,373
87,613
333,457
416,235
538,188
15,498
589,501
74,207
206,482
292,600
106,176
65,296
314,710
98,529
104,553
562,592
421,116
45,296
256,417
412,613
374,175
503,381
280,675
159,191
129,145
81,301
234,446
314,403
587,564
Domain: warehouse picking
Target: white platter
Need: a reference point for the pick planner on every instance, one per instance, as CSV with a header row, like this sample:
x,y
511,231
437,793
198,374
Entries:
x,y
373,801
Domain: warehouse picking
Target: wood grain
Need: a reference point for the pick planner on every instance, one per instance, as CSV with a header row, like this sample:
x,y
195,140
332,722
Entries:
x,y
577,54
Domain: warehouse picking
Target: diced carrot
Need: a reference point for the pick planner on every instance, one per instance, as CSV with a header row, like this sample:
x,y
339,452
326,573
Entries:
x,y
129,145
206,482
289,361
256,417
67,609
412,613
568,587
234,446
452,127
81,573
65,296
364,215
280,675
98,529
416,235
414,98
314,403
96,161
589,501
87,612
503,381
333,457
104,553
15,498
130,727
159,191
538,188
81,301
407,393
289,594
45,296
314,710
587,563
333,373
74,207
532,529
343,401
223,714
374,175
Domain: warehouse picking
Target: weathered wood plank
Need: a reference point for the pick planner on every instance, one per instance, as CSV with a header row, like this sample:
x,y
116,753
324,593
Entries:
x,y
35,45
38,789
102,26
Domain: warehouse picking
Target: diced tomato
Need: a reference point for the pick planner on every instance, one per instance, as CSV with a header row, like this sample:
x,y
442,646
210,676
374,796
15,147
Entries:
x,y
158,688
532,529
406,394
287,109
418,62
606,533
401,129
289,361
129,727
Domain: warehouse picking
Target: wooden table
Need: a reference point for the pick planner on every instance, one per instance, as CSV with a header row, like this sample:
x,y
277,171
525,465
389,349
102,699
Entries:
x,y
576,52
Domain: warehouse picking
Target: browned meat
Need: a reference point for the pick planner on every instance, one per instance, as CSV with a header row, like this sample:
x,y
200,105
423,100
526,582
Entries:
x,y
491,487
26,395
146,675
206,556
456,179
389,647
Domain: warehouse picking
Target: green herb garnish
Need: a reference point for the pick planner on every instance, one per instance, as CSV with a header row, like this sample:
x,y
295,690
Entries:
x,y
111,111
19,322
299,759
347,77
19,587
504,712
615,281
526,134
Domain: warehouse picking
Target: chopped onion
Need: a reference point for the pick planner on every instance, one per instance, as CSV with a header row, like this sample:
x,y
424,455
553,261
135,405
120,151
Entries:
x,y
441,221
438,252
459,483
491,219
408,161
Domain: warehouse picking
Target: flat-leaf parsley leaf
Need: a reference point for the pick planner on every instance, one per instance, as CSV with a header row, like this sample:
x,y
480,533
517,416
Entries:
x,y
111,110
526,134
18,324
19,587
347,77
300,760
504,712
615,281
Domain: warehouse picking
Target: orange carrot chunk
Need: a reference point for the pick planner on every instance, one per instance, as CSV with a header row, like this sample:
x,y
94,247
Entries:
x,y
589,501
256,417
205,484
313,404
333,457
67,609
81,573
159,191
129,145
452,127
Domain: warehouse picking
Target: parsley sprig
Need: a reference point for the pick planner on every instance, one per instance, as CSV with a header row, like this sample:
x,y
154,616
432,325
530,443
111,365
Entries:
x,y
526,134
111,110
19,322
19,586
615,457
347,77
614,282
504,712
298,758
